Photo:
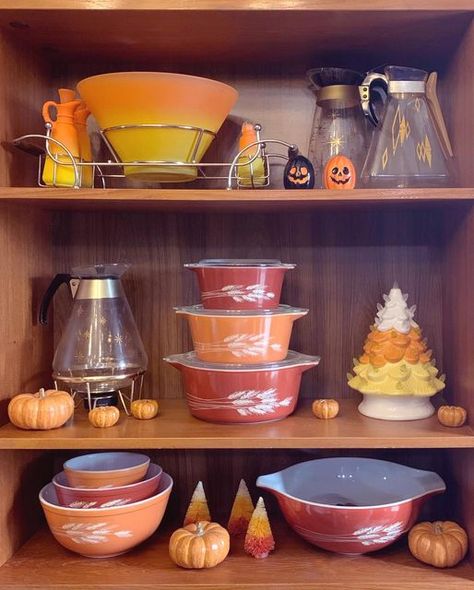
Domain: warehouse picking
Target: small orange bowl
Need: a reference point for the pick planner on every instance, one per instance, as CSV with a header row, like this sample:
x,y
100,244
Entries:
x,y
241,336
106,470
105,532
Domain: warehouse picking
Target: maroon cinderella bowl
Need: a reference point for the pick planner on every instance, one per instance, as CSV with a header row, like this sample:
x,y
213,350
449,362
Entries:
x,y
239,394
351,505
240,284
107,497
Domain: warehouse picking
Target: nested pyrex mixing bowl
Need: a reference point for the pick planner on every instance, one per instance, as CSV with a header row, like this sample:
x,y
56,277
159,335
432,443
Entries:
x,y
105,532
109,496
130,107
239,336
238,394
240,283
349,504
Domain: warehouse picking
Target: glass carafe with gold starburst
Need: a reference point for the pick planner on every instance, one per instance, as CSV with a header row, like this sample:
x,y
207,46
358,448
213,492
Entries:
x,y
339,125
410,146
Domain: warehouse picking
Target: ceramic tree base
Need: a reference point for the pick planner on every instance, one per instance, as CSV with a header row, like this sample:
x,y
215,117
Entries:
x,y
396,407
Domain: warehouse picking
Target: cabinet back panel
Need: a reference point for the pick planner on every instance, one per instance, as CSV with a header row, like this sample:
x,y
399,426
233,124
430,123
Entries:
x,y
344,264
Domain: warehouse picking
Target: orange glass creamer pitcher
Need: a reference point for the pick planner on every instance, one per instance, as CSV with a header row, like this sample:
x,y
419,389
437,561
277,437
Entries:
x,y
81,114
64,131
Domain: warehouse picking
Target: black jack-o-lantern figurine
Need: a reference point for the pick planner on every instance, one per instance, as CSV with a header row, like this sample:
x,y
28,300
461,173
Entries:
x,y
299,173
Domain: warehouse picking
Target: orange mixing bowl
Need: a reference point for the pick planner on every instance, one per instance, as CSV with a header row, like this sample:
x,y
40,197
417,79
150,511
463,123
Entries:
x,y
105,532
238,336
147,98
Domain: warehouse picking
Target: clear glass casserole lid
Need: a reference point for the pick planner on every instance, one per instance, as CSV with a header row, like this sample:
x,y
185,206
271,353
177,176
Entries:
x,y
293,359
240,262
199,310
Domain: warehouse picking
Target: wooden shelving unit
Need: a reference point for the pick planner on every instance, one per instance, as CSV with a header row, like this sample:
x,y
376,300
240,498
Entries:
x,y
235,200
294,564
177,429
349,248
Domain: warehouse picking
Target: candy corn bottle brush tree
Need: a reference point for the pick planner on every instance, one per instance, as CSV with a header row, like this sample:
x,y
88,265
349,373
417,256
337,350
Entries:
x,y
242,510
396,372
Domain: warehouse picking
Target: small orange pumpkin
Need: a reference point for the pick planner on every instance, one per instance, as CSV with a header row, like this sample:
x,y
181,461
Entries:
x,y
325,409
104,416
339,173
199,545
453,416
44,410
144,409
441,544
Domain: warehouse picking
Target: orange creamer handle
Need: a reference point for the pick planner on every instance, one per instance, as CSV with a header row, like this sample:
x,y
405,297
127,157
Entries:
x,y
45,111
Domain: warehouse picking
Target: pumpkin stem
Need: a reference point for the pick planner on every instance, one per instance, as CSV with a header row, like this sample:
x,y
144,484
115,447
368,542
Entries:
x,y
438,528
41,392
200,529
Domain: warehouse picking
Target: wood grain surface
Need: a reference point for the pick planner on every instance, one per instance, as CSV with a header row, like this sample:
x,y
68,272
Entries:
x,y
458,325
25,357
175,428
316,34
294,565
252,5
215,200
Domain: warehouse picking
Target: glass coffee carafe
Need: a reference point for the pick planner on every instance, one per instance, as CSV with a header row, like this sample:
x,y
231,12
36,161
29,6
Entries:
x,y
410,146
339,125
100,349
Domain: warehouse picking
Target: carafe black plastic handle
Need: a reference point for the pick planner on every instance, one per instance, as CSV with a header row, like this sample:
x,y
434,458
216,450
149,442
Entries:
x,y
49,294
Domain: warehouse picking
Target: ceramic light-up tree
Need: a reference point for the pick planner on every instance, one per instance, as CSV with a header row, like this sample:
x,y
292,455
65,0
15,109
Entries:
x,y
396,373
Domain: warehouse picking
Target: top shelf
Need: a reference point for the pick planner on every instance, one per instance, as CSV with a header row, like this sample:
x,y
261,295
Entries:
x,y
137,5
246,33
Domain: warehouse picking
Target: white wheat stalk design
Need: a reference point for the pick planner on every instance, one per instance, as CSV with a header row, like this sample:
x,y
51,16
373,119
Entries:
x,y
240,293
246,402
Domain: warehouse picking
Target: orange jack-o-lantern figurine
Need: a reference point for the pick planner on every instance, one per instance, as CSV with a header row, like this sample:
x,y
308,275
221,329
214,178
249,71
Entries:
x,y
339,173
299,173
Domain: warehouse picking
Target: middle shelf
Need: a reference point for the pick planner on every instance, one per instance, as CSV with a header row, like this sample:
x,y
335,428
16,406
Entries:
x,y
175,428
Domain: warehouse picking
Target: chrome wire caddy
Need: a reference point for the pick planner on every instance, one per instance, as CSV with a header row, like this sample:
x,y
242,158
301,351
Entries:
x,y
99,173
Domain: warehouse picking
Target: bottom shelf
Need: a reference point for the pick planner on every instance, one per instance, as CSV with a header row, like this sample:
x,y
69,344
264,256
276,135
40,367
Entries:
x,y
43,564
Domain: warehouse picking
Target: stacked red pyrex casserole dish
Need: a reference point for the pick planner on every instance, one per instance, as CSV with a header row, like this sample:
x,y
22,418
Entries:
x,y
241,369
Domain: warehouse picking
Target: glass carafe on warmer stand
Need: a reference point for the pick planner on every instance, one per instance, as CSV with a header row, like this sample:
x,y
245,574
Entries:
x,y
339,125
410,146
100,349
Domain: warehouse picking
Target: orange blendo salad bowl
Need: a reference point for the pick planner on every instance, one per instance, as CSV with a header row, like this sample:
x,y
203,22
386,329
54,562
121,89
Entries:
x,y
143,101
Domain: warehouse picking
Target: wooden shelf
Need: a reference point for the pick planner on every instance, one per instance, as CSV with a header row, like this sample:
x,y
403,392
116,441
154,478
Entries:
x,y
43,564
317,5
218,200
152,32
176,428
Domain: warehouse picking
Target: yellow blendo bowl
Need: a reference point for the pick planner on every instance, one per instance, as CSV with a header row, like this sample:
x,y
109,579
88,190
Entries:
x,y
157,98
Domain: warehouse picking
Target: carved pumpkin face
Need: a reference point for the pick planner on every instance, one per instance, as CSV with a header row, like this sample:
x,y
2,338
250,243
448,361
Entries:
x,y
299,173
339,173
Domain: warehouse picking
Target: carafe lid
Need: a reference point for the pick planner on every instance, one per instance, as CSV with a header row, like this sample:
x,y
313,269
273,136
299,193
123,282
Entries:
x,y
113,270
322,77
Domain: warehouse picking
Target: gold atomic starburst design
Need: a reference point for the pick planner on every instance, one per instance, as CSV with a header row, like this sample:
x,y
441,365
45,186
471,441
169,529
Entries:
x,y
103,320
384,158
400,130
336,142
118,339
423,150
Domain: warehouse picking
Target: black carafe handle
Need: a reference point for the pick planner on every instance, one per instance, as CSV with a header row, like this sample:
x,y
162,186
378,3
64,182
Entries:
x,y
58,280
